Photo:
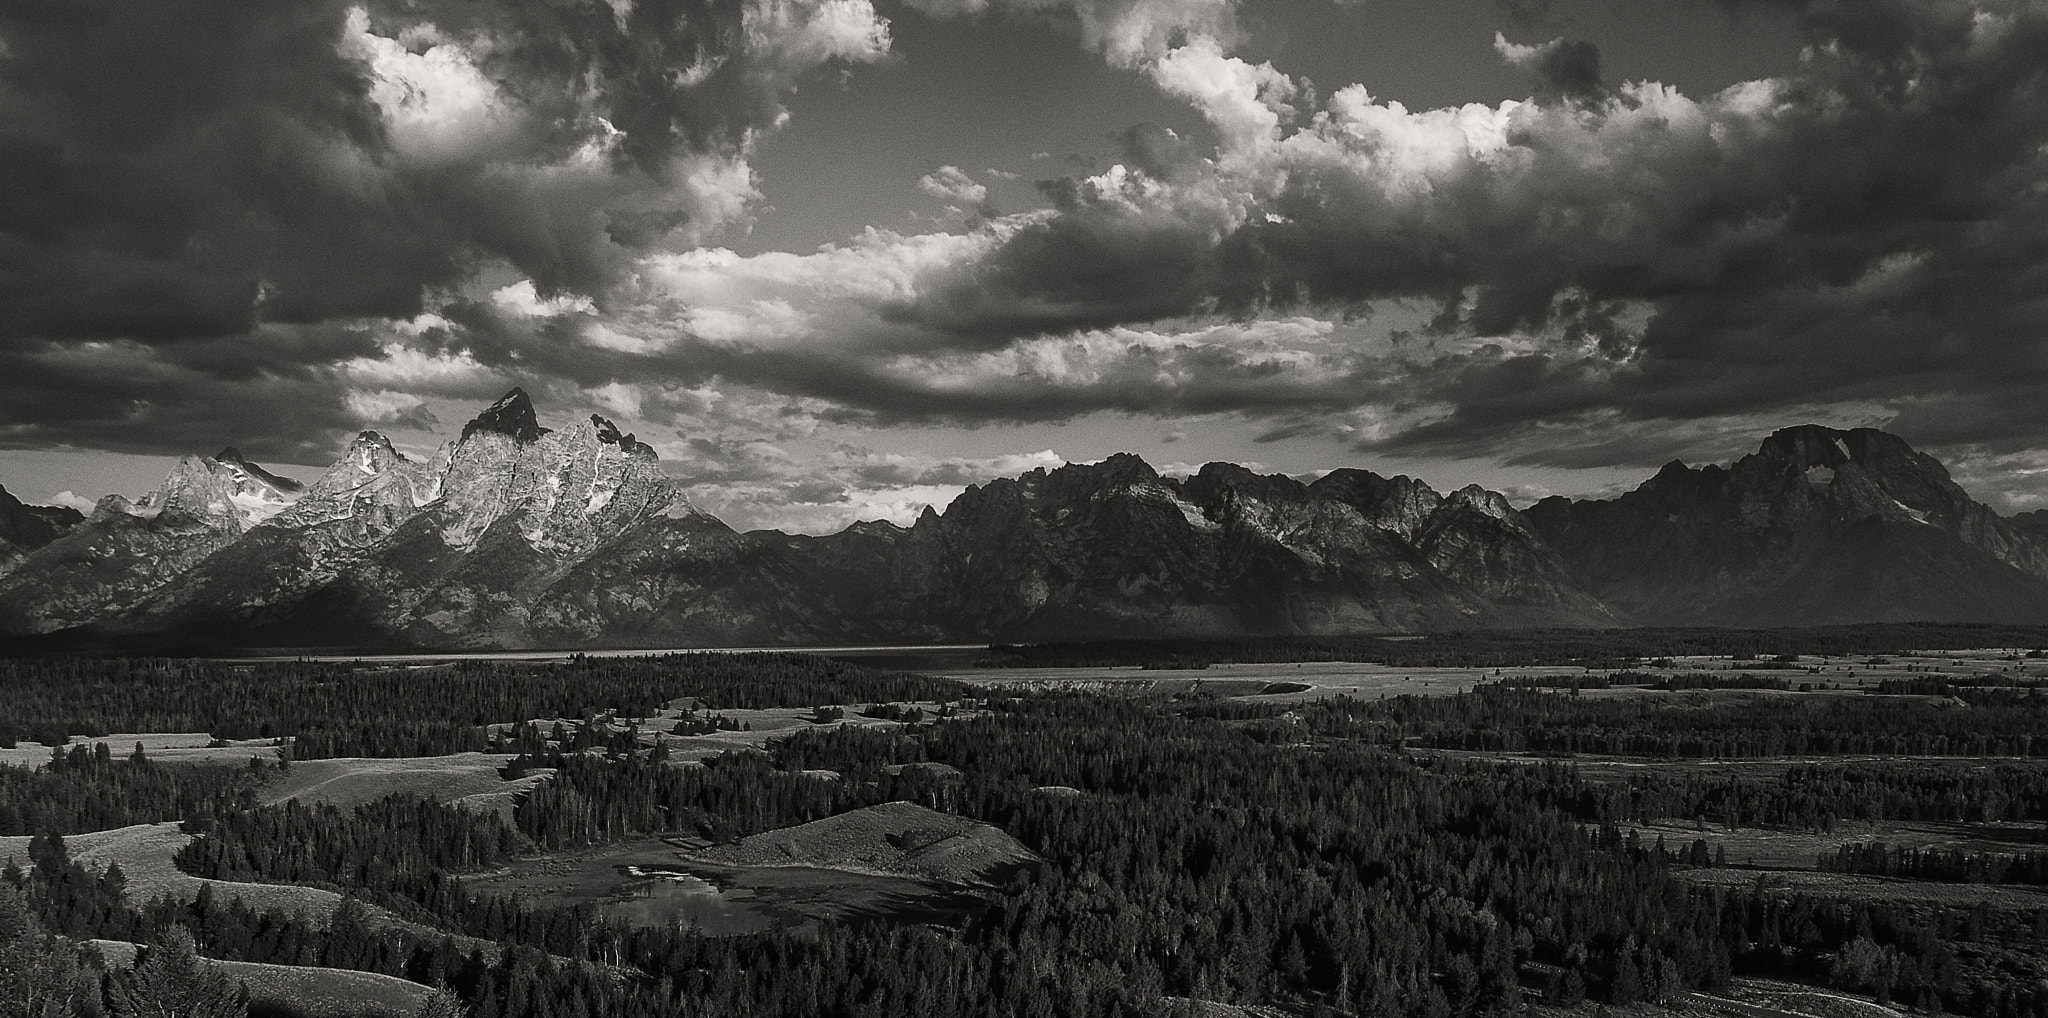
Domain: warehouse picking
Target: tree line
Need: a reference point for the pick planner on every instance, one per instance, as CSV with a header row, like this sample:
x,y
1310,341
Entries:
x,y
83,789
339,709
1594,648
1506,719
1945,864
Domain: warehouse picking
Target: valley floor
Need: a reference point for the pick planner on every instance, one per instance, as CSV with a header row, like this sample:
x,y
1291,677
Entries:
x,y
1116,819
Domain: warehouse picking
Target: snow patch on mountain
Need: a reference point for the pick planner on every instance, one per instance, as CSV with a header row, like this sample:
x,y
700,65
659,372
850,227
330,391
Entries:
x,y
1195,517
257,507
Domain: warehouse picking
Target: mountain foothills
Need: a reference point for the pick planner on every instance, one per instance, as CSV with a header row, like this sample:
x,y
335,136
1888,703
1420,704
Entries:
x,y
516,535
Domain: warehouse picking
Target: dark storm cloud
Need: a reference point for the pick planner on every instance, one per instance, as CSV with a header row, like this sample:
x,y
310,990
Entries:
x,y
1562,68
155,151
1138,372
210,198
1874,228
170,159
1527,15
547,346
1091,266
203,176
1191,381
125,397
1126,32
1156,150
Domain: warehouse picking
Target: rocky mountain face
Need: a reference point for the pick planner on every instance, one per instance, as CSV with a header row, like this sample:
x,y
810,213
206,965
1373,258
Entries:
x,y
517,535
450,551
1114,549
1085,551
2033,525
126,550
24,528
1817,526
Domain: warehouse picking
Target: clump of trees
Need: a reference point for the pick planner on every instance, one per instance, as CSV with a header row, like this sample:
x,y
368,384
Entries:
x,y
1605,650
335,709
92,790
1944,864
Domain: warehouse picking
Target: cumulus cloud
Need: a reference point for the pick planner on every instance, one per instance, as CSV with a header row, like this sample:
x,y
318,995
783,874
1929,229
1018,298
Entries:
x,y
126,396
757,482
1245,102
2009,482
1561,67
217,191
1855,231
324,210
1616,273
952,185
73,500
388,409
1157,151
1126,32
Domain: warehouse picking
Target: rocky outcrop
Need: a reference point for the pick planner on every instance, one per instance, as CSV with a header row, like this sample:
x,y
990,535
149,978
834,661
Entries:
x,y
1480,543
2032,525
511,416
446,552
356,505
24,528
126,551
1401,505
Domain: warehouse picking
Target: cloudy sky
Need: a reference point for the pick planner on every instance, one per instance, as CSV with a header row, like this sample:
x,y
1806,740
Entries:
x,y
836,258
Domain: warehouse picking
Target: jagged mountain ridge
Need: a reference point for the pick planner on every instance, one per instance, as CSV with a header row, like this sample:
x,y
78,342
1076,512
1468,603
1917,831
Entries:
x,y
126,550
24,528
386,550
516,535
1817,526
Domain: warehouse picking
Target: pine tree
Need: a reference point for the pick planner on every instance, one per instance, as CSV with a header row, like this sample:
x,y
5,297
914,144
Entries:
x,y
440,1003
49,855
1627,987
172,981
40,975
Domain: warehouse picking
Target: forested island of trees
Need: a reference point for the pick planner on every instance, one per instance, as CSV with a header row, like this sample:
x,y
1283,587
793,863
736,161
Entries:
x,y
1596,648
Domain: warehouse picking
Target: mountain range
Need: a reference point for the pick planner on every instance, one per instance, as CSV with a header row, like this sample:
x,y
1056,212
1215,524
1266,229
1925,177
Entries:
x,y
515,535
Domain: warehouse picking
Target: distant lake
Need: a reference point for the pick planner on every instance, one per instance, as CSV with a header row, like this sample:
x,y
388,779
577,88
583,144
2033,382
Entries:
x,y
564,655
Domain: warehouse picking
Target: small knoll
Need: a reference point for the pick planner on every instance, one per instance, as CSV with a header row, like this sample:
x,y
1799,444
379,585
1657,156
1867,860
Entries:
x,y
147,854
196,748
894,838
471,780
303,991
